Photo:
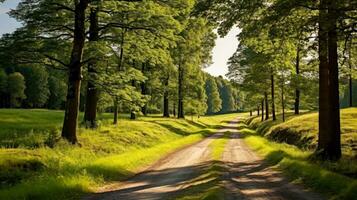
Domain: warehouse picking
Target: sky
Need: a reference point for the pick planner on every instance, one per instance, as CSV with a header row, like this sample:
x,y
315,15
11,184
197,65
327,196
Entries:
x,y
224,49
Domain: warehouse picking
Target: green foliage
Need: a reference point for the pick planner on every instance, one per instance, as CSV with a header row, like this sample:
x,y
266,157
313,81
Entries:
x,y
16,88
227,95
37,86
58,90
214,102
110,153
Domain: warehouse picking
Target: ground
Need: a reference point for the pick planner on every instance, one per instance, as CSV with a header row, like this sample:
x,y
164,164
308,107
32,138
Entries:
x,y
243,175
167,158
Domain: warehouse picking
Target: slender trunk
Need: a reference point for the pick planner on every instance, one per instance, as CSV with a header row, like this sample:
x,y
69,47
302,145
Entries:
x,y
90,113
251,113
174,109
262,109
180,113
297,90
350,84
144,90
351,90
258,109
132,113
166,98
116,110
283,100
329,144
272,94
69,129
266,106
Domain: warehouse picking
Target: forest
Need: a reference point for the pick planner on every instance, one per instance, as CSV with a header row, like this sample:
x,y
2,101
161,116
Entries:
x,y
111,99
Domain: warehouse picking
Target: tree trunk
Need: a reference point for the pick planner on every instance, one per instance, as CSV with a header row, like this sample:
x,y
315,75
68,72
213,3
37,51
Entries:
x,y
297,90
251,113
258,110
266,106
116,110
166,98
283,101
350,84
262,109
174,109
329,145
69,129
132,113
180,113
351,89
272,94
144,89
90,113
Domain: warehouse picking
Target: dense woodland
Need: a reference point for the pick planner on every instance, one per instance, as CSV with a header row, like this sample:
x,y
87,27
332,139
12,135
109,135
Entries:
x,y
136,57
144,57
294,55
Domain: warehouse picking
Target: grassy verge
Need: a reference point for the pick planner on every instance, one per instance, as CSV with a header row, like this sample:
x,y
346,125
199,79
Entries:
x,y
296,164
110,153
302,131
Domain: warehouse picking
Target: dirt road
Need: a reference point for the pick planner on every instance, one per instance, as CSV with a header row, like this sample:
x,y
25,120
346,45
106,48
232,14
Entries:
x,y
247,176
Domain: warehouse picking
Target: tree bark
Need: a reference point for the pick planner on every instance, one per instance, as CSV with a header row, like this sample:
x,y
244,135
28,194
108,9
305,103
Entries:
x,y
174,109
350,84
329,145
258,110
90,113
283,100
297,90
262,109
351,89
266,106
251,113
166,98
144,89
132,113
272,94
180,113
116,110
69,129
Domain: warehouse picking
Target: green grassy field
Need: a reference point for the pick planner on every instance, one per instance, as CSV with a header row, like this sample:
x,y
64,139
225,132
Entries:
x,y
37,166
298,166
290,146
302,130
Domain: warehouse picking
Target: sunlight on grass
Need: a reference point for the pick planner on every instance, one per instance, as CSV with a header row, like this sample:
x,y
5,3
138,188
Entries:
x,y
297,165
48,168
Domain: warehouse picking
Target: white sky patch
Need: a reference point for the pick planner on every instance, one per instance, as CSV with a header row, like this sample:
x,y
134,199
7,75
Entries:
x,y
224,49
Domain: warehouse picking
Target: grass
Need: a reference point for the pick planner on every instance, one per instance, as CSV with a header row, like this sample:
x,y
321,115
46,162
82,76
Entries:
x,y
110,153
298,167
302,131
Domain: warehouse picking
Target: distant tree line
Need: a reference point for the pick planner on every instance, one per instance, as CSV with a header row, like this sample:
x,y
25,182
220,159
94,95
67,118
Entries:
x,y
293,55
137,57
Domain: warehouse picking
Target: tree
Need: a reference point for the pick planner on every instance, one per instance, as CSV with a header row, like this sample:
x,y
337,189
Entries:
x,y
3,89
214,102
57,87
37,91
16,88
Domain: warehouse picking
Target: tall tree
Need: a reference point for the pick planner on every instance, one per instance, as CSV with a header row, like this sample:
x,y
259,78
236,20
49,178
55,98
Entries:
x,y
214,102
